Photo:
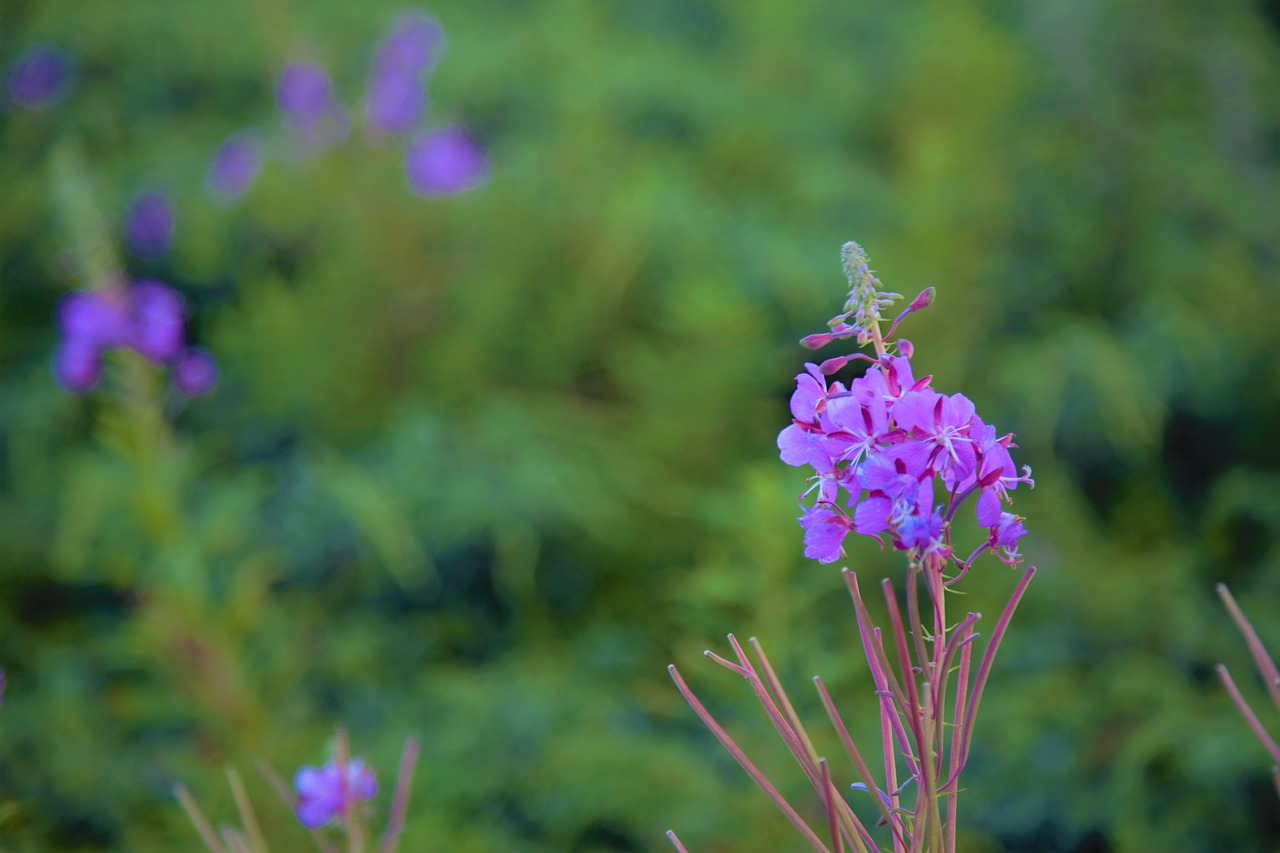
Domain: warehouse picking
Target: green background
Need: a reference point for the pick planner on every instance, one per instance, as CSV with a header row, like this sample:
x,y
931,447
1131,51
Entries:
x,y
479,468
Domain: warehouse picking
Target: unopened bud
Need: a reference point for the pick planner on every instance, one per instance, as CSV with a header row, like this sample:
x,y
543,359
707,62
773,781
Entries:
x,y
905,349
817,341
833,365
924,300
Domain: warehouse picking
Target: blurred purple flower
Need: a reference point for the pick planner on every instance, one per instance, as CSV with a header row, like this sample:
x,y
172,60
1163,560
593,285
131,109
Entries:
x,y
157,321
414,45
149,224
195,372
235,164
304,94
77,365
324,794
146,317
445,162
40,76
90,322
397,96
97,318
395,101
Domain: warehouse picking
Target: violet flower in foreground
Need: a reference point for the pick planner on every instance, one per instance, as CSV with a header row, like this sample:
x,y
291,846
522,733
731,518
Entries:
x,y
891,458
39,77
325,793
445,162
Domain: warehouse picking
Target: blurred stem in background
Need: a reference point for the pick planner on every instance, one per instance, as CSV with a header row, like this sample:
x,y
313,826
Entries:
x,y
177,608
1270,678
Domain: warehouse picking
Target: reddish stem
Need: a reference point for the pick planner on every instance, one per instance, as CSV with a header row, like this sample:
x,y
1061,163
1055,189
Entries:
x,y
745,763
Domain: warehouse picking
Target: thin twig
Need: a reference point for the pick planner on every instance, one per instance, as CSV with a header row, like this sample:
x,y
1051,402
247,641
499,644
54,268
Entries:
x,y
794,736
988,658
198,819
257,844
400,801
1266,666
775,685
745,763
882,675
1249,717
864,772
828,802
671,836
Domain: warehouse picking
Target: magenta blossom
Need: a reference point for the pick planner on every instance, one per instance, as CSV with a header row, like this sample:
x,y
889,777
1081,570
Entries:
x,y
824,532
890,456
326,793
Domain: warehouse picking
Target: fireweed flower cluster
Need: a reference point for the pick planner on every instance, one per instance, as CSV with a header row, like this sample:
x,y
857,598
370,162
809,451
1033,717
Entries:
x,y
333,795
441,160
891,456
325,793
146,317
894,459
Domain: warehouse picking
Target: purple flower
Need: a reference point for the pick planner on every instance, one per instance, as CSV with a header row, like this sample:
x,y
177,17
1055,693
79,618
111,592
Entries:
x,y
235,164
304,93
149,224
445,162
803,443
40,76
824,532
146,317
77,365
855,425
305,97
157,321
195,372
1005,535
413,46
324,793
396,101
943,423
96,318
878,448
397,97
922,532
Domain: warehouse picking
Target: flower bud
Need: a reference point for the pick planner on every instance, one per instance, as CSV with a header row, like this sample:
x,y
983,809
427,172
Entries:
x,y
833,365
816,341
924,300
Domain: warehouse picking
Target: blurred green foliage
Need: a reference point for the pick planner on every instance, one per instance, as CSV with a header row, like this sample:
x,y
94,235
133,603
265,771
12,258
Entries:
x,y
478,468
